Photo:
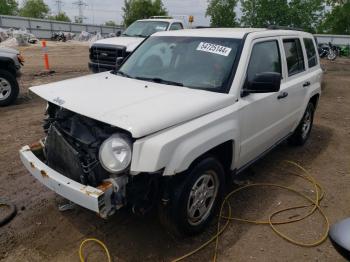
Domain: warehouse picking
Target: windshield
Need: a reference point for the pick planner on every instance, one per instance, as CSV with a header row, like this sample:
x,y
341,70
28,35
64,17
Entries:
x,y
195,62
145,28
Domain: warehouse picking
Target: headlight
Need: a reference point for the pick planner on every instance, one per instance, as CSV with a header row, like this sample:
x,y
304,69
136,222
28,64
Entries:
x,y
115,153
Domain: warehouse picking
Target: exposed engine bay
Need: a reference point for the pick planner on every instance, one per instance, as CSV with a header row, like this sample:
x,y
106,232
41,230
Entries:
x,y
72,145
72,148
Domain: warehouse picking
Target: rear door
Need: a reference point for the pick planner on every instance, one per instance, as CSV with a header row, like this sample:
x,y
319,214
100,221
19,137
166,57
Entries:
x,y
297,80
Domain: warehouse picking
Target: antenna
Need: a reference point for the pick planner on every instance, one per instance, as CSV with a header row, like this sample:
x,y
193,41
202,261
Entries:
x,y
59,4
81,4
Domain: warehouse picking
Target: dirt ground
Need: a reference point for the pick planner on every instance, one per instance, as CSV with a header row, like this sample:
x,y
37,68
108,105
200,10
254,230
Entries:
x,y
40,232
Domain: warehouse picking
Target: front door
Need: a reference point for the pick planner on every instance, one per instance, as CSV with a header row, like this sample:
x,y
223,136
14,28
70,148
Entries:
x,y
262,117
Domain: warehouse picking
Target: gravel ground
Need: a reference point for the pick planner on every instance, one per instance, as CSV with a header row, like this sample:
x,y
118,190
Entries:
x,y
41,233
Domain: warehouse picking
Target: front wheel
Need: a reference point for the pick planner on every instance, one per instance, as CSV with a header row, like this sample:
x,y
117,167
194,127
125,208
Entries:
x,y
302,132
195,200
8,88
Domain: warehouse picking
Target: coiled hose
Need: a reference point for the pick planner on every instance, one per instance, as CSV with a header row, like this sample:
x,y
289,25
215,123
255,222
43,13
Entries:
x,y
314,206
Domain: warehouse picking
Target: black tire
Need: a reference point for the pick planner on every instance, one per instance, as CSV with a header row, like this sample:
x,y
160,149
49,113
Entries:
x,y
7,97
175,214
302,133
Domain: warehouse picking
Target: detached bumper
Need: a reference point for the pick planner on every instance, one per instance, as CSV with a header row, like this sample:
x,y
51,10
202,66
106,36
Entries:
x,y
96,199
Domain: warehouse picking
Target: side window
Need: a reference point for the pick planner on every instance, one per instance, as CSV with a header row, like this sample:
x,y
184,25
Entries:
x,y
265,57
311,52
294,56
176,26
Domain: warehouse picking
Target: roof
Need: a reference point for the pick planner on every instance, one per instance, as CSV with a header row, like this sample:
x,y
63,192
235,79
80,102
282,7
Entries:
x,y
227,32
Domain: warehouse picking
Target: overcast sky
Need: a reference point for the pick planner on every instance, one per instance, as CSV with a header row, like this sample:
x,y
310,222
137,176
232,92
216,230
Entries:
x,y
100,11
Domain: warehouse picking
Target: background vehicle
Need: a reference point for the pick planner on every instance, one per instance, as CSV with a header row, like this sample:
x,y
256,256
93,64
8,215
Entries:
x,y
186,111
328,50
10,65
104,52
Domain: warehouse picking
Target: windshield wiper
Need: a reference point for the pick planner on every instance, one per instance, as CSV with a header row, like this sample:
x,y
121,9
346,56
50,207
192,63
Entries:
x,y
160,81
123,74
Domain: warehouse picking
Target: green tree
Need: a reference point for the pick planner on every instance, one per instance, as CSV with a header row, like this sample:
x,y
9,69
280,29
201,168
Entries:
x,y
139,9
337,21
222,13
34,8
304,14
261,13
110,23
62,16
8,7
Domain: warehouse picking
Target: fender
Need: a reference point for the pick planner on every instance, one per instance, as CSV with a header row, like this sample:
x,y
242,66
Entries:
x,y
176,148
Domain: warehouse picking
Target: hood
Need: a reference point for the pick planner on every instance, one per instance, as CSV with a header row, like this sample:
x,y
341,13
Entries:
x,y
8,50
137,106
129,42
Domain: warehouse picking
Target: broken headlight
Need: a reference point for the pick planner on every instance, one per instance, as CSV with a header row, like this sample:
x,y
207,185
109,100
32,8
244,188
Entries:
x,y
115,153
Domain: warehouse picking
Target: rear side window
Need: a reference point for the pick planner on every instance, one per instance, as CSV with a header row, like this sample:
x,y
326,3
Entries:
x,y
176,26
311,52
294,56
265,58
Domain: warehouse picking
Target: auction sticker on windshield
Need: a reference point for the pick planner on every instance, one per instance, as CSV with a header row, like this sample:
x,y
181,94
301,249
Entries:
x,y
214,49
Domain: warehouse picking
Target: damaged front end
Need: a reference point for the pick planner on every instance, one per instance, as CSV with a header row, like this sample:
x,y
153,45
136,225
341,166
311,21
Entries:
x,y
87,162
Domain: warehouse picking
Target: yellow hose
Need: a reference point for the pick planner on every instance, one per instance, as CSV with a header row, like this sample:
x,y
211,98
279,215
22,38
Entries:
x,y
82,259
314,205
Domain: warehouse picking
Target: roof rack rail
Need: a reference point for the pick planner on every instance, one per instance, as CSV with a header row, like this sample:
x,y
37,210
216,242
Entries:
x,y
278,27
202,27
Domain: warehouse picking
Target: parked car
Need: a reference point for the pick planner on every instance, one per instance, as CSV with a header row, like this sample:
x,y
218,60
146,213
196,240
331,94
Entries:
x,y
11,62
104,52
184,113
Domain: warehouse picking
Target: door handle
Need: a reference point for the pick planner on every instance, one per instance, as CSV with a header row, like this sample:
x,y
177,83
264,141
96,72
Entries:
x,y
282,95
306,84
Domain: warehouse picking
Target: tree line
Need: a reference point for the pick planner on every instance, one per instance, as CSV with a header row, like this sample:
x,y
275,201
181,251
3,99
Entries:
x,y
321,16
315,16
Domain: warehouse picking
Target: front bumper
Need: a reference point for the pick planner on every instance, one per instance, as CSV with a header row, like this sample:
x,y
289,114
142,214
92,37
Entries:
x,y
95,199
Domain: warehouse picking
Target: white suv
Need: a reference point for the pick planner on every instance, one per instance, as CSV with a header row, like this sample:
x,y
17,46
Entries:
x,y
183,114
105,52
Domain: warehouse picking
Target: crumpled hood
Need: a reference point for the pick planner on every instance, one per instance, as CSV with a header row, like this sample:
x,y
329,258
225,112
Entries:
x,y
137,106
129,42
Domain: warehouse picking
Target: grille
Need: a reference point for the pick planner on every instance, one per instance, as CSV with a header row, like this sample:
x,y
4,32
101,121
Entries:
x,y
105,54
61,156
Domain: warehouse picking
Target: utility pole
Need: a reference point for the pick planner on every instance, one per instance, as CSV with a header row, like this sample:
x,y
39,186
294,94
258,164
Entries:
x,y
59,4
81,4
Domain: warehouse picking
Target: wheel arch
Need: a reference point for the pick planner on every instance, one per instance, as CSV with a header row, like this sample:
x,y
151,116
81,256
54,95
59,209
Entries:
x,y
314,100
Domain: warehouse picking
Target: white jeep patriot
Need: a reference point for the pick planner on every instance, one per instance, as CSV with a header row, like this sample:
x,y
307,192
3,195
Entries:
x,y
187,110
104,52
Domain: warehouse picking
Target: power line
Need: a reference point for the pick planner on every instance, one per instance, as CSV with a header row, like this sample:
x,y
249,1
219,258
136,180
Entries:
x,y
81,4
59,4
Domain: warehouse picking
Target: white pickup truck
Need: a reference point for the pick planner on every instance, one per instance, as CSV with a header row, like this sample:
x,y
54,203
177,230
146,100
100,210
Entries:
x,y
183,114
104,52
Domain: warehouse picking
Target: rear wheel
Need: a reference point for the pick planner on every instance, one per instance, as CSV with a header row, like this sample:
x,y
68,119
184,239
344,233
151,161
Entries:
x,y
8,88
302,132
194,200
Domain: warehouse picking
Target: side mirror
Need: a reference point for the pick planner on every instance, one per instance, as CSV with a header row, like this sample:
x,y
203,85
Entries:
x,y
118,33
267,82
119,61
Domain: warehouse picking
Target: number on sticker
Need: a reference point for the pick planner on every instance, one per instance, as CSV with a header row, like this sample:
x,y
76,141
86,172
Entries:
x,y
214,49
